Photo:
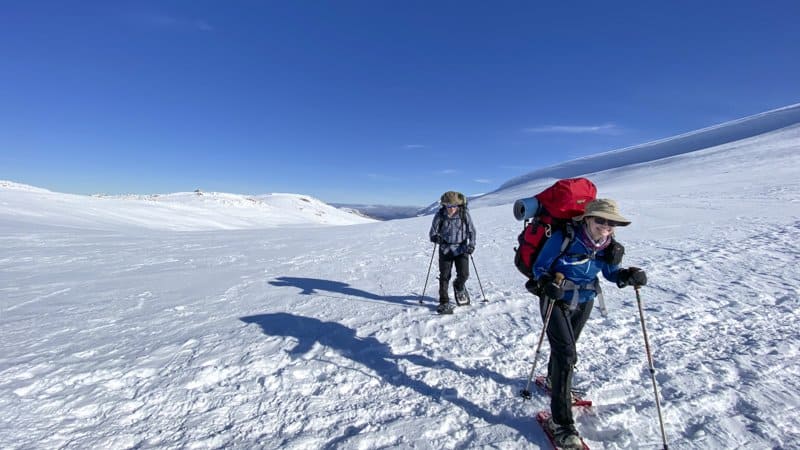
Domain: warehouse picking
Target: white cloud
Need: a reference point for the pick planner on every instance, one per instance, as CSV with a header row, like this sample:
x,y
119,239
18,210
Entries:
x,y
482,180
172,22
415,146
381,177
608,128
513,167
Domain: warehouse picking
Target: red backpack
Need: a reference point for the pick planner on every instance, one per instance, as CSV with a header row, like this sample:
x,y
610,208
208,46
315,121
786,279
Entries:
x,y
557,206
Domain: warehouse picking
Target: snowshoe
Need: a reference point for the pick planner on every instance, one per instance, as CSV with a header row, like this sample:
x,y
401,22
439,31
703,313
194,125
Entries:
x,y
462,298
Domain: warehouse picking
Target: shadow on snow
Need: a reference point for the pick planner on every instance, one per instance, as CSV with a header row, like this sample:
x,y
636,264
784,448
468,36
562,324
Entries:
x,y
378,357
310,286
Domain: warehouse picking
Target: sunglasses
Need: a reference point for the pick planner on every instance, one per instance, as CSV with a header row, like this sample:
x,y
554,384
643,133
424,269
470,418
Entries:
x,y
449,205
602,221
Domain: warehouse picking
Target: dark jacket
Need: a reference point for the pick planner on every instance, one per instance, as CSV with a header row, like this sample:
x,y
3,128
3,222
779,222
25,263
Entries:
x,y
456,233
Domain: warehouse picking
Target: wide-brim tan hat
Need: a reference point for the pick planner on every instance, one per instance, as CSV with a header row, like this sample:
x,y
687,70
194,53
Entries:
x,y
605,208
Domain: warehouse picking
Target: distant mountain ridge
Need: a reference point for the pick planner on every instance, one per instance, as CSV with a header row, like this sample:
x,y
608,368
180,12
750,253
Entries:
x,y
382,212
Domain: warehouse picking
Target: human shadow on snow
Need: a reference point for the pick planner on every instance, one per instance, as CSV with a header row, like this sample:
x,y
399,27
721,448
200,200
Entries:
x,y
311,286
378,356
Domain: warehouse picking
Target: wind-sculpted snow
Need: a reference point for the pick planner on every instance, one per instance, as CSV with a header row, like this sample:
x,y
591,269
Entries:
x,y
297,338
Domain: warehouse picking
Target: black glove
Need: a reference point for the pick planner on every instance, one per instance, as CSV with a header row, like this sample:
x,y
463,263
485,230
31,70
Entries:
x,y
614,253
546,285
632,276
553,291
470,249
533,287
436,239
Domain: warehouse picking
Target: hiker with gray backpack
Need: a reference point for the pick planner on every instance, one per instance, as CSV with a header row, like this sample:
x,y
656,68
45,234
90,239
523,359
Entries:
x,y
453,230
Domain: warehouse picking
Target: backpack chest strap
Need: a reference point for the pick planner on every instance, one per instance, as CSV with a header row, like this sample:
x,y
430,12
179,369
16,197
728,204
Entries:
x,y
593,285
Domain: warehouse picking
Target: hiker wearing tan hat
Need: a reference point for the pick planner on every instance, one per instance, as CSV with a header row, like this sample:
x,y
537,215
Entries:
x,y
605,208
590,249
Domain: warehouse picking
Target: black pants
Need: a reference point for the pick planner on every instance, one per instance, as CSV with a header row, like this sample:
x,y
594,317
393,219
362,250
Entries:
x,y
446,267
562,332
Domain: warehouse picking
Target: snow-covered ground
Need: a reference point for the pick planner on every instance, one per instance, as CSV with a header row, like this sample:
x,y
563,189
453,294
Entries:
x,y
303,337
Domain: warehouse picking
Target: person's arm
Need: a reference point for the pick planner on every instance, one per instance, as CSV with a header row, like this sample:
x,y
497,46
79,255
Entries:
x,y
548,255
611,272
612,258
434,233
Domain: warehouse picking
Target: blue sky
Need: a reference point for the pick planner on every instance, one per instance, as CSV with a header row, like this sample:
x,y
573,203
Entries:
x,y
368,101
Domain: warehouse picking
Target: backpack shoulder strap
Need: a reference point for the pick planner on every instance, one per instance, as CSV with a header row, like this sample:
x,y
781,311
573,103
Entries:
x,y
441,214
569,235
465,222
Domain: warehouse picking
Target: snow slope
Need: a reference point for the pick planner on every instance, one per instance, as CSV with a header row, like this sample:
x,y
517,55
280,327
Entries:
x,y
312,337
183,211
713,136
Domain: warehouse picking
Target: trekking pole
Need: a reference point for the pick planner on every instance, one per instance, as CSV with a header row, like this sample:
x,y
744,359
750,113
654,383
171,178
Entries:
x,y
652,367
526,393
478,277
428,275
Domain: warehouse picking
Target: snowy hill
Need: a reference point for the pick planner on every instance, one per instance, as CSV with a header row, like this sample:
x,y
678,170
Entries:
x,y
295,338
714,136
184,211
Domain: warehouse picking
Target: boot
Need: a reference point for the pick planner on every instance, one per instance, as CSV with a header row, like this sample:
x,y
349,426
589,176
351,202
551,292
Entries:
x,y
565,436
445,308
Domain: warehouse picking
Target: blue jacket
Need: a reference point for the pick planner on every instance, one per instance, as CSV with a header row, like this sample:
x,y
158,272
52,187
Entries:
x,y
456,233
578,264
